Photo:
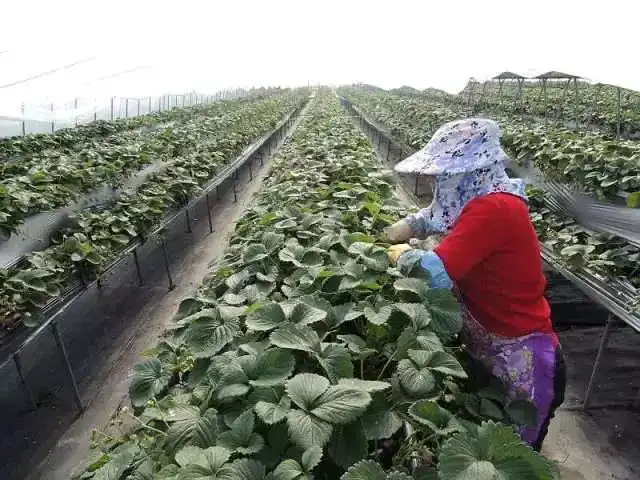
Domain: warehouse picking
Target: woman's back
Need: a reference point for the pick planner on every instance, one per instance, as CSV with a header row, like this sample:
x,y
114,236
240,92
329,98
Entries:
x,y
492,254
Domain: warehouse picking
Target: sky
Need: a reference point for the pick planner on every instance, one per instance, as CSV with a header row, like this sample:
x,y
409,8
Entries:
x,y
139,47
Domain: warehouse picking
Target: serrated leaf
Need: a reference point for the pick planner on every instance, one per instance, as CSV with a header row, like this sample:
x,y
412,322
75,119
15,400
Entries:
x,y
200,430
494,452
445,312
417,312
446,364
212,464
288,470
335,360
306,430
210,333
348,444
311,457
121,459
271,413
150,378
365,470
417,287
266,318
294,337
303,314
364,385
417,382
254,253
489,409
246,469
432,415
272,367
377,318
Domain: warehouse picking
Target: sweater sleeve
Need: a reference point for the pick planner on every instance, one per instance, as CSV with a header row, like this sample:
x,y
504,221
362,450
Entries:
x,y
475,236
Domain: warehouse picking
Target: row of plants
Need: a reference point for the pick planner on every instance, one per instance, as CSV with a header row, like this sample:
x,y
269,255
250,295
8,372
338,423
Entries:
x,y
594,106
413,121
93,239
56,177
67,139
604,167
305,354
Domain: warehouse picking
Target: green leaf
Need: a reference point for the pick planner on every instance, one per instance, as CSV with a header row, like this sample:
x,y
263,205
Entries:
x,y
335,360
489,409
210,332
311,458
417,312
364,385
288,470
271,413
416,381
494,452
348,444
121,459
254,253
293,337
267,317
210,465
417,287
365,470
377,318
241,437
523,412
200,430
272,367
445,312
447,364
438,419
322,407
150,378
303,314
245,469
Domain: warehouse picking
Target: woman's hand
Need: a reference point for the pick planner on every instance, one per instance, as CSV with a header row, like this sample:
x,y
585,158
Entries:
x,y
399,232
395,251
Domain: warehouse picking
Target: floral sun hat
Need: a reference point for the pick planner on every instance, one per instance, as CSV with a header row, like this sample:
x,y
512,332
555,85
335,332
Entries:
x,y
457,147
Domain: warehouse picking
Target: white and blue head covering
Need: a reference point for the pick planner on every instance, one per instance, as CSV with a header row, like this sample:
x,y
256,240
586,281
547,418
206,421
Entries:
x,y
467,161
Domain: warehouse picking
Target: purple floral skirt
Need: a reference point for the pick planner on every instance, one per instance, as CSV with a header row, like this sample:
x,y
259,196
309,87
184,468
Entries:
x,y
531,367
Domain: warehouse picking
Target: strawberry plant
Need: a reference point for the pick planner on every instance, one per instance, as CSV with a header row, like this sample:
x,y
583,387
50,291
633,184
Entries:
x,y
305,354
95,238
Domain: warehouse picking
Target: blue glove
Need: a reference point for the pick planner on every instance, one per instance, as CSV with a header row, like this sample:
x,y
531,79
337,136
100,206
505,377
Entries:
x,y
430,262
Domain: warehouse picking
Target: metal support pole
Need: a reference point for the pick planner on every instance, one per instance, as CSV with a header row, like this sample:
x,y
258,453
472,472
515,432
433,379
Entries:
x,y
24,127
126,108
75,107
601,351
618,115
416,187
65,357
209,213
218,192
544,98
53,122
138,107
187,219
136,261
388,148
251,170
149,105
23,381
111,117
577,113
165,255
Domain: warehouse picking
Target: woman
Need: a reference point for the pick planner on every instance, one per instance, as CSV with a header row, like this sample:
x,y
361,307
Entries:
x,y
490,256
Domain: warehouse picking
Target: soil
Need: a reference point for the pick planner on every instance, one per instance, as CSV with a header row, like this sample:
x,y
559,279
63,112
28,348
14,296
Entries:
x,y
122,320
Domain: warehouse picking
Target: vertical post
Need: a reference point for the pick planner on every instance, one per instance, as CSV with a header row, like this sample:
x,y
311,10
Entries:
x,y
575,84
165,256
251,169
601,350
415,190
520,85
594,108
138,107
65,357
544,97
187,218
53,123
95,110
126,108
235,193
24,126
23,381
75,107
618,114
209,213
111,116
149,105
136,261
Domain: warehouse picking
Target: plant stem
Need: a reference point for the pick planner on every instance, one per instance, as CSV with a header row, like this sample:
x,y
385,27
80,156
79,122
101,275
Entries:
x,y
144,425
386,365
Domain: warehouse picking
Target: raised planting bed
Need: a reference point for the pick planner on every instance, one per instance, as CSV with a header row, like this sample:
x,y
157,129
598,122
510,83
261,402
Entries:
x,y
306,355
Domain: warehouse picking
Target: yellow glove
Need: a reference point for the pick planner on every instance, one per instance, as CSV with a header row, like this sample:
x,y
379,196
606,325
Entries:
x,y
395,251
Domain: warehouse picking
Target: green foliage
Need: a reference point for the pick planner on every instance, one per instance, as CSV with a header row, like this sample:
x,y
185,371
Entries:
x,y
317,376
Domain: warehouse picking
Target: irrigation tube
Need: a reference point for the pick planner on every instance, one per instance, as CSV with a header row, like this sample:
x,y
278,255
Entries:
x,y
615,296
58,306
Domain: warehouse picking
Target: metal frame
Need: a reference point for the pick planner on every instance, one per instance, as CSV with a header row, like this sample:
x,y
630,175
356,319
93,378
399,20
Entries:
x,y
55,309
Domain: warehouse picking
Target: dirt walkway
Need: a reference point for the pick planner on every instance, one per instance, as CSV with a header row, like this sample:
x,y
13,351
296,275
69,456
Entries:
x,y
111,385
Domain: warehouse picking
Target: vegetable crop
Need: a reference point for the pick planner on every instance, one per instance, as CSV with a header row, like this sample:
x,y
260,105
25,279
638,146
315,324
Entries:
x,y
306,355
